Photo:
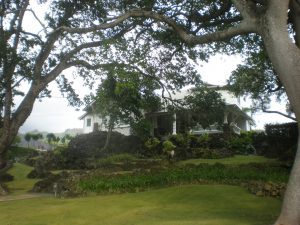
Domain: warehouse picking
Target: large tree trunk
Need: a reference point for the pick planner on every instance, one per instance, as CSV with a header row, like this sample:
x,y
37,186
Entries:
x,y
15,121
285,57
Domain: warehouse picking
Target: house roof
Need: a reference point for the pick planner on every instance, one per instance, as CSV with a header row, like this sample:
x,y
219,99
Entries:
x,y
83,116
238,110
231,103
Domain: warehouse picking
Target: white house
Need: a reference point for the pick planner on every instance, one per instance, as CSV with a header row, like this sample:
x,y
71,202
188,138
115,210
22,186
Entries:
x,y
164,122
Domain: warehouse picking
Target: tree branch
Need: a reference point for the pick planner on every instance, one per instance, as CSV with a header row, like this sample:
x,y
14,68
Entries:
x,y
33,35
245,27
36,17
280,113
118,20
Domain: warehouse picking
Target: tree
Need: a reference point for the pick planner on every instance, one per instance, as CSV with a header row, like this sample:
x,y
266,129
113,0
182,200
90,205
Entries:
x,y
203,106
122,99
197,27
27,138
51,138
36,137
67,37
236,26
256,78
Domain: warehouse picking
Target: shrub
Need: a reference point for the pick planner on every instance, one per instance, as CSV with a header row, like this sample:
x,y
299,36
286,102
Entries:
x,y
153,146
20,154
168,146
281,140
217,141
38,174
204,140
180,140
5,177
90,145
141,129
260,142
210,154
241,144
193,141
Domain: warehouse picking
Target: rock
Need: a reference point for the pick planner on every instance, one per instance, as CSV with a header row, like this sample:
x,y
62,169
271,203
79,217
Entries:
x,y
268,187
259,194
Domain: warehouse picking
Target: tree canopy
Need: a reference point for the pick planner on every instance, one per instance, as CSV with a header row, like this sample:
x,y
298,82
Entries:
x,y
88,35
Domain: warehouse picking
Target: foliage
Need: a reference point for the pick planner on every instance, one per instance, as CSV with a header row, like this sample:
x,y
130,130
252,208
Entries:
x,y
17,140
51,138
282,141
141,128
5,177
204,106
189,174
90,145
206,153
242,144
27,138
257,79
168,146
20,153
121,98
153,146
124,158
204,140
180,140
205,145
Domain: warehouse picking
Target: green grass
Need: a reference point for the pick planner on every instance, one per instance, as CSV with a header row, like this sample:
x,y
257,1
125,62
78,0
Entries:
x,y
21,184
181,205
235,160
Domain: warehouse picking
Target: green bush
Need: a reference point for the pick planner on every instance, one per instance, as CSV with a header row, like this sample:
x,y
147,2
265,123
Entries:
x,y
168,146
20,153
210,154
241,144
141,129
90,145
180,140
281,141
204,140
153,146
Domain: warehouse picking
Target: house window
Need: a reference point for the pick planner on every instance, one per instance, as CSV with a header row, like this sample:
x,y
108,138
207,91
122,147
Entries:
x,y
88,122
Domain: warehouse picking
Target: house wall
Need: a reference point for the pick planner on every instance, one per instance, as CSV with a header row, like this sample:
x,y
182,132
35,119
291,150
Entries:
x,y
123,129
94,119
230,98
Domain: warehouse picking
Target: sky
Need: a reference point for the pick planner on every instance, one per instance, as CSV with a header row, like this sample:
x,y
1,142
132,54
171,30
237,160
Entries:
x,y
55,115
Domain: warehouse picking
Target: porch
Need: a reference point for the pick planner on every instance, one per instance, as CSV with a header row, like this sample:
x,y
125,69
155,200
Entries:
x,y
167,123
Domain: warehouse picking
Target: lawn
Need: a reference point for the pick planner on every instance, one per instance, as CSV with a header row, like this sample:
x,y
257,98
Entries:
x,y
182,205
21,184
235,160
191,204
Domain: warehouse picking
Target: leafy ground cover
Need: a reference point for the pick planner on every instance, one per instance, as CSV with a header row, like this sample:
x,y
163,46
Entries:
x,y
235,160
184,205
202,173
